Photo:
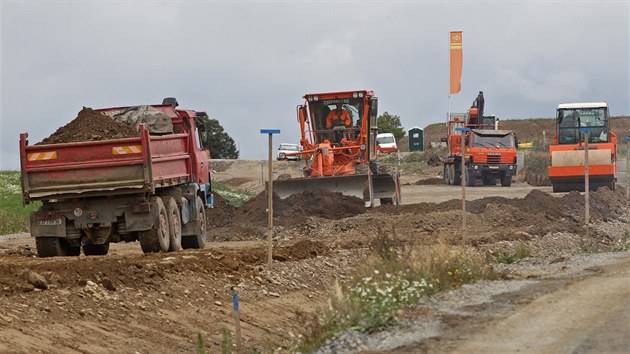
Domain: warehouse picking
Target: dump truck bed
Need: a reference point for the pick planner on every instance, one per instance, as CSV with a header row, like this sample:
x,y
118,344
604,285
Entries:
x,y
102,168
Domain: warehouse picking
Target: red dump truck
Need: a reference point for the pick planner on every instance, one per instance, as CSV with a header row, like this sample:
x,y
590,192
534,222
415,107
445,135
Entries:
x,y
153,188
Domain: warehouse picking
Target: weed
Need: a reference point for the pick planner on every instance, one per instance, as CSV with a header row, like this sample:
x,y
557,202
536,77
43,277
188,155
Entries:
x,y
201,344
623,243
236,197
537,162
13,213
521,251
226,342
395,275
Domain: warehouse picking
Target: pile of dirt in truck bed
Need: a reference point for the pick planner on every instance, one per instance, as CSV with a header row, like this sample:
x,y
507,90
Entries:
x,y
90,126
296,208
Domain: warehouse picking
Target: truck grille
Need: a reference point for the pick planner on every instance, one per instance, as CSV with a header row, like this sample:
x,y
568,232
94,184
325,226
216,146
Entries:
x,y
494,158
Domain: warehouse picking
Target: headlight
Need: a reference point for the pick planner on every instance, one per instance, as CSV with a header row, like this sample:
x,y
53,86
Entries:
x,y
360,94
511,167
476,167
355,95
362,147
315,98
310,99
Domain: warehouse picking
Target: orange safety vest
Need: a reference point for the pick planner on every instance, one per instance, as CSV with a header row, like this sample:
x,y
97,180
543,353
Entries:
x,y
334,116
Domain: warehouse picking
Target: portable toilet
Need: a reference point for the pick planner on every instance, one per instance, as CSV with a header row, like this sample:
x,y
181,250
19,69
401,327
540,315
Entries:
x,y
416,139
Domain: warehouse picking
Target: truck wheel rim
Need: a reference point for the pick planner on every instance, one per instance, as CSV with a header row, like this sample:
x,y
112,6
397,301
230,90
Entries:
x,y
163,225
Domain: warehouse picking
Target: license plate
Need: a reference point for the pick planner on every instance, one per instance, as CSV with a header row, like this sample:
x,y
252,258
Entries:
x,y
494,167
50,222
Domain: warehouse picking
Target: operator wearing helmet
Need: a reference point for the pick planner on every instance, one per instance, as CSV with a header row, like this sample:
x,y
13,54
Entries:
x,y
338,117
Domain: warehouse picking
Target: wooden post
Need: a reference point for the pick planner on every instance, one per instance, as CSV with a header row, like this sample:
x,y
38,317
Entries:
x,y
587,187
627,139
463,132
270,194
464,181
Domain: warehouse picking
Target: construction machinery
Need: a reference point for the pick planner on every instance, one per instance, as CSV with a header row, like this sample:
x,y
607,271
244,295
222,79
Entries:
x,y
340,154
567,168
489,149
154,188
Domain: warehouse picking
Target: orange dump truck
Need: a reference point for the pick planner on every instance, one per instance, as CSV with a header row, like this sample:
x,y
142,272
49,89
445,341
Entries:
x,y
153,188
489,150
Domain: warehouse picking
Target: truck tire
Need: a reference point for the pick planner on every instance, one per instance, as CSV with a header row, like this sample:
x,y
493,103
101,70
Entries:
x,y
55,246
157,239
506,181
198,240
470,180
456,176
446,175
174,224
96,250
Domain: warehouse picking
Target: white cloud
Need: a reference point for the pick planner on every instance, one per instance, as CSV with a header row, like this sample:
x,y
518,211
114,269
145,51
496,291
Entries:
x,y
249,63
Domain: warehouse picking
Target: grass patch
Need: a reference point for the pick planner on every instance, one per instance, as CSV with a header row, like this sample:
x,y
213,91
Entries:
x,y
416,161
14,216
537,162
623,244
394,276
236,197
521,251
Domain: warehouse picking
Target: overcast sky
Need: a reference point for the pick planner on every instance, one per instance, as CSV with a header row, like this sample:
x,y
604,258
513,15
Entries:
x,y
248,64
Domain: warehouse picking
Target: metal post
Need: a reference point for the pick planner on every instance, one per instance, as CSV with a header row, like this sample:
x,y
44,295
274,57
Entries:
x,y
237,321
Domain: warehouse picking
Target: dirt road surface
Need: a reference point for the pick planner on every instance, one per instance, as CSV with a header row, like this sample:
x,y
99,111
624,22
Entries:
x,y
159,303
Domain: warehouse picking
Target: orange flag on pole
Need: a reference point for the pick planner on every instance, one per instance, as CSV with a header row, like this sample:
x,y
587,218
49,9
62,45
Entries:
x,y
456,61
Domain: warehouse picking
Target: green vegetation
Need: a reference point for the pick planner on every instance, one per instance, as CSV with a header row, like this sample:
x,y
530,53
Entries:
x,y
537,162
201,344
222,145
236,197
623,244
521,251
394,276
388,123
14,216
416,161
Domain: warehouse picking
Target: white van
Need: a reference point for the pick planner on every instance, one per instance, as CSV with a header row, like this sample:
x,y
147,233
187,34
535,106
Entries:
x,y
385,142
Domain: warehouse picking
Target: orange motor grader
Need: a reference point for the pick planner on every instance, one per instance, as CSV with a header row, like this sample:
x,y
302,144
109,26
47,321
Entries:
x,y
340,154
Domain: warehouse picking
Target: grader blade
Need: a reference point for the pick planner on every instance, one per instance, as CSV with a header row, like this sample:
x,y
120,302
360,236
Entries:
x,y
352,185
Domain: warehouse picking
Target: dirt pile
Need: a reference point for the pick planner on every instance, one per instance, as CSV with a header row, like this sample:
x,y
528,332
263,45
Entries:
x,y
90,126
299,207
539,213
429,181
221,214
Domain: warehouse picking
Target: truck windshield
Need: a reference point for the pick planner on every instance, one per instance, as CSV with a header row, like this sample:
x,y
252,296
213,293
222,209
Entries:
x,y
496,141
570,120
385,140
